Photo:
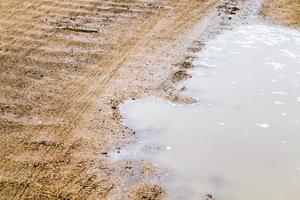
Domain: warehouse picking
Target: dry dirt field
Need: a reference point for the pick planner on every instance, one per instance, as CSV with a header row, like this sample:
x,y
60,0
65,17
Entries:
x,y
65,68
284,12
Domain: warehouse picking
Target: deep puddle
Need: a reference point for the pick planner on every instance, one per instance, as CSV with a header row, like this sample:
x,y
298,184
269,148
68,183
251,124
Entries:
x,y
242,140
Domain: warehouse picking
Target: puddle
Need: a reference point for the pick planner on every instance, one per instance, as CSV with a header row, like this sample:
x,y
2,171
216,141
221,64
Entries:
x,y
241,141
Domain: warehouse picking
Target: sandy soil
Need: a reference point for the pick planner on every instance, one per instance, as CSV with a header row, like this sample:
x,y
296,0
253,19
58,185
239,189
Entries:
x,y
284,12
65,68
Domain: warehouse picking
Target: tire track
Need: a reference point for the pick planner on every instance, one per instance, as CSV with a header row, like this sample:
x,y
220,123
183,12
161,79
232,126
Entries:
x,y
76,94
116,65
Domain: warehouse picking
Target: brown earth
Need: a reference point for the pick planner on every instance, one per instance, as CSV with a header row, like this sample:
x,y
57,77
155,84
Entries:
x,y
284,12
65,68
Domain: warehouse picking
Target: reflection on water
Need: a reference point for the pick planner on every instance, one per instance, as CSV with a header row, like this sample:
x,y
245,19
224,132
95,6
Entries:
x,y
242,140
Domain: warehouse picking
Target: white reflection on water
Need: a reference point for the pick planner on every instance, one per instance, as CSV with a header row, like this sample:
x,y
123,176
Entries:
x,y
242,140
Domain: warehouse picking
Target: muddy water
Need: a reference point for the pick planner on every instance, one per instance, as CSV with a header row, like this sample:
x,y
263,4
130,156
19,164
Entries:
x,y
242,140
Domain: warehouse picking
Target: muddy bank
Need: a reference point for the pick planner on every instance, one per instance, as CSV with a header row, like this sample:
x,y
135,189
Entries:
x,y
248,101
284,12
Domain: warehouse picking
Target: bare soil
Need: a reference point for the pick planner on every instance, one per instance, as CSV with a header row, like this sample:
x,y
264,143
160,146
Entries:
x,y
283,12
65,68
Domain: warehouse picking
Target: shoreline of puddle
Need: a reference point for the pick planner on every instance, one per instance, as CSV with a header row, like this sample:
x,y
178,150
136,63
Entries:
x,y
239,141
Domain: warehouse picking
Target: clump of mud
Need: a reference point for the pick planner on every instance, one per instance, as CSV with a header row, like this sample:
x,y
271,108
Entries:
x,y
185,65
229,8
180,75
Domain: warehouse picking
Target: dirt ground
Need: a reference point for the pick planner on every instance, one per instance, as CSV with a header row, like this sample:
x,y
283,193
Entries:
x,y
65,68
284,12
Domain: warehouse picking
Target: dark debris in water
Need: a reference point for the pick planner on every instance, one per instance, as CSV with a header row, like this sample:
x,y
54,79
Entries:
x,y
209,197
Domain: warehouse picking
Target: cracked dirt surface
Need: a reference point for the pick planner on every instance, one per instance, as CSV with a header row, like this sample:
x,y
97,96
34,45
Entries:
x,y
65,68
